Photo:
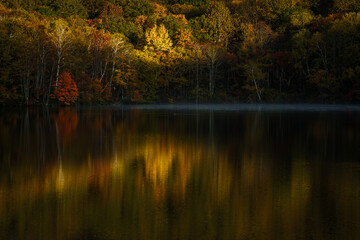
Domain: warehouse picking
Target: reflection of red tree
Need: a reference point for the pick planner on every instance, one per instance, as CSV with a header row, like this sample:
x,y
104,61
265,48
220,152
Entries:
x,y
67,121
66,90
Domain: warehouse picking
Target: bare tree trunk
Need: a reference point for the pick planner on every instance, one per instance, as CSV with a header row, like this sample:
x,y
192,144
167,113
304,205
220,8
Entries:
x,y
61,39
210,80
47,98
58,68
212,55
103,72
197,81
112,70
324,58
255,83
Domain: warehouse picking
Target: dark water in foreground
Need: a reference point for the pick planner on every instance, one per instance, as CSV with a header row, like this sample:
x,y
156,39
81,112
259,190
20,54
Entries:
x,y
171,173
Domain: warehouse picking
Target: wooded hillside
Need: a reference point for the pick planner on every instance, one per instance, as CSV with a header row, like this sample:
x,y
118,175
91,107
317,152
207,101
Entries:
x,y
97,51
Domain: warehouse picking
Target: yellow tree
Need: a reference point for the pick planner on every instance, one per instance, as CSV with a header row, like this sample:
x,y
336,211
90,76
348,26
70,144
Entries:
x,y
157,38
126,79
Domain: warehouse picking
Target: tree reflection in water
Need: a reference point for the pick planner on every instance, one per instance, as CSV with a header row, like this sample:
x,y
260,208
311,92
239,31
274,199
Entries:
x,y
103,173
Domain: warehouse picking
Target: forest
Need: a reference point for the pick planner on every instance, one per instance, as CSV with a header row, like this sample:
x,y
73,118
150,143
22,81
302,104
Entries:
x,y
145,51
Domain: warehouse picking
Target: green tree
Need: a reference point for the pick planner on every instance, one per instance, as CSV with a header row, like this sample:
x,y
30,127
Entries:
x,y
301,18
134,8
301,52
220,22
13,60
200,29
347,5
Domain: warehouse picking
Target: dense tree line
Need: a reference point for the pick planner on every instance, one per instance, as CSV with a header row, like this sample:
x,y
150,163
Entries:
x,y
99,51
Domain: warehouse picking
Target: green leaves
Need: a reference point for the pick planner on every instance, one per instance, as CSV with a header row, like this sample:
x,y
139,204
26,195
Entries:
x,y
301,18
220,23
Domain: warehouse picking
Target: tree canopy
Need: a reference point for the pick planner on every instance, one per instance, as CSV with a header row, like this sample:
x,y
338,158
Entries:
x,y
100,51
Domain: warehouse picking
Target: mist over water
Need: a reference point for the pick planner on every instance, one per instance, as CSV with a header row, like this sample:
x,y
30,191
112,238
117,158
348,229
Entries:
x,y
180,172
245,107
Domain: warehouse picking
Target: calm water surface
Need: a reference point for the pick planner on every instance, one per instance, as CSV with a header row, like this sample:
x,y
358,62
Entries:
x,y
169,172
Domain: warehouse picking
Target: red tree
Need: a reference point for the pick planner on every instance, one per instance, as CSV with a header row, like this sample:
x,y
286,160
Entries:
x,y
66,91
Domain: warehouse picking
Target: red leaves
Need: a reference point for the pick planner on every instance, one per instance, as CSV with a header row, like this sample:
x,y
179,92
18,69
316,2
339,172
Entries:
x,y
66,90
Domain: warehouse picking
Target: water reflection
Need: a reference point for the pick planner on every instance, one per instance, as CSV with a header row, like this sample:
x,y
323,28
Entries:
x,y
102,173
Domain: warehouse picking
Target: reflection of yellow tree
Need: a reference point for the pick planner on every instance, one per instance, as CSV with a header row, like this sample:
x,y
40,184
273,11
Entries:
x,y
197,189
164,156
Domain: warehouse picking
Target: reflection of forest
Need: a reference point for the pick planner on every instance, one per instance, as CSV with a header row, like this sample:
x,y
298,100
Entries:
x,y
178,175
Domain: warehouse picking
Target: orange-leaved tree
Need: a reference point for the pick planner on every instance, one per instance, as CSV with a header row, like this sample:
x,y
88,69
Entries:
x,y
66,90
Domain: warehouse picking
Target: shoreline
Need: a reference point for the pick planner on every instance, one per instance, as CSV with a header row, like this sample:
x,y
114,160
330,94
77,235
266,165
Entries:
x,y
207,106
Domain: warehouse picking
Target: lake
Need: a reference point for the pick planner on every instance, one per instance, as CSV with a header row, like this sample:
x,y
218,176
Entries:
x,y
180,172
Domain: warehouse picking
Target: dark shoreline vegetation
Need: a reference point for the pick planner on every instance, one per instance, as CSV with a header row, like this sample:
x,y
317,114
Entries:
x,y
143,51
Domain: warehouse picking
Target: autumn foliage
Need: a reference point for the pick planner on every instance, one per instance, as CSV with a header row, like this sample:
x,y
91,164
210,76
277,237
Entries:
x,y
66,90
154,51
